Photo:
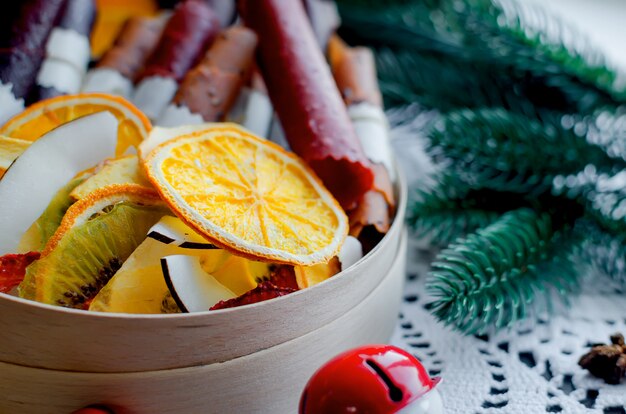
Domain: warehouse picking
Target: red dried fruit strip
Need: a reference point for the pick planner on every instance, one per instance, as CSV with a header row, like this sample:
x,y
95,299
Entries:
x,y
306,98
13,268
264,291
210,88
188,33
283,276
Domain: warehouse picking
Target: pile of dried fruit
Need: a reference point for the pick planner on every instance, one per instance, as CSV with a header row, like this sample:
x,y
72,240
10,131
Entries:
x,y
101,211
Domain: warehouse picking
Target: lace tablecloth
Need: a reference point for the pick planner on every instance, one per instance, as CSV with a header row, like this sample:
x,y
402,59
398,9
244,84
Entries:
x,y
530,369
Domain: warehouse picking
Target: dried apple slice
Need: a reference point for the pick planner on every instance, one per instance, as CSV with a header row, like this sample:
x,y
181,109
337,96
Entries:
x,y
193,289
47,165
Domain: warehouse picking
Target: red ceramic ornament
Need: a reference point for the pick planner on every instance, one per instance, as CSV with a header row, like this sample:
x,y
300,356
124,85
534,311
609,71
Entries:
x,y
377,379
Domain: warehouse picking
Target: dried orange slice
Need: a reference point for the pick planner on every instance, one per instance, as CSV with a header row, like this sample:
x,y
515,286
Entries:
x,y
42,117
248,195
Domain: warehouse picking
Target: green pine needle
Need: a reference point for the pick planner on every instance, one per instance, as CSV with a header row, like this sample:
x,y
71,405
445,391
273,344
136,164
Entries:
x,y
449,210
607,129
505,151
495,276
450,220
603,196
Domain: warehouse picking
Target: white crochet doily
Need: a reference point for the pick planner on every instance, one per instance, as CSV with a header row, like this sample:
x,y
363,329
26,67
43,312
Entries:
x,y
530,369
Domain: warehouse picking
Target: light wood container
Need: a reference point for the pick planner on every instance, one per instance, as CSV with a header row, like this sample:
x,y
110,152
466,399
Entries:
x,y
254,359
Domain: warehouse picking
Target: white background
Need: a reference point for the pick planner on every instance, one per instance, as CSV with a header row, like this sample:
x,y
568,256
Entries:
x,y
604,21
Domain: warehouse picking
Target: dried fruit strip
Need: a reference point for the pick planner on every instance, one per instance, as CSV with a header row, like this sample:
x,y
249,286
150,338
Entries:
x,y
121,64
24,30
67,52
210,89
190,30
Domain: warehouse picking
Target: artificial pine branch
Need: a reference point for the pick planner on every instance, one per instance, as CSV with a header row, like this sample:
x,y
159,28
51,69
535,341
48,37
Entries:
x,y
492,278
505,151
482,41
518,100
446,83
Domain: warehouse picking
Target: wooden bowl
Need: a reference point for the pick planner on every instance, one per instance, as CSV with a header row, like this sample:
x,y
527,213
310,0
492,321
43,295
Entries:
x,y
254,356
268,381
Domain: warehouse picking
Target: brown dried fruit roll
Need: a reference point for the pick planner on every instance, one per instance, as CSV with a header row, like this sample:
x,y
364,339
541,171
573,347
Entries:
x,y
137,40
371,220
186,36
211,88
354,70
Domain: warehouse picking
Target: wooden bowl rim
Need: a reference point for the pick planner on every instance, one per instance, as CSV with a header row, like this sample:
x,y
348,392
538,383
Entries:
x,y
401,191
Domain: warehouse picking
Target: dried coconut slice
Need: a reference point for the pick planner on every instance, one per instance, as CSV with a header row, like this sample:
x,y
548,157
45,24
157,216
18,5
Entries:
x,y
192,288
140,287
248,195
47,165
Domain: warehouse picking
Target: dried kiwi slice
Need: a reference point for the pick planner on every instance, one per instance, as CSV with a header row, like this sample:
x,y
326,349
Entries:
x,y
95,237
46,225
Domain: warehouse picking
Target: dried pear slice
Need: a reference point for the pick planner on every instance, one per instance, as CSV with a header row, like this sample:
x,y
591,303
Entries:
x,y
96,236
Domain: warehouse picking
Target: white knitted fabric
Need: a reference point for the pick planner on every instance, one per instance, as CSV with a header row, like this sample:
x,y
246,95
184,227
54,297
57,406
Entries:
x,y
530,369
